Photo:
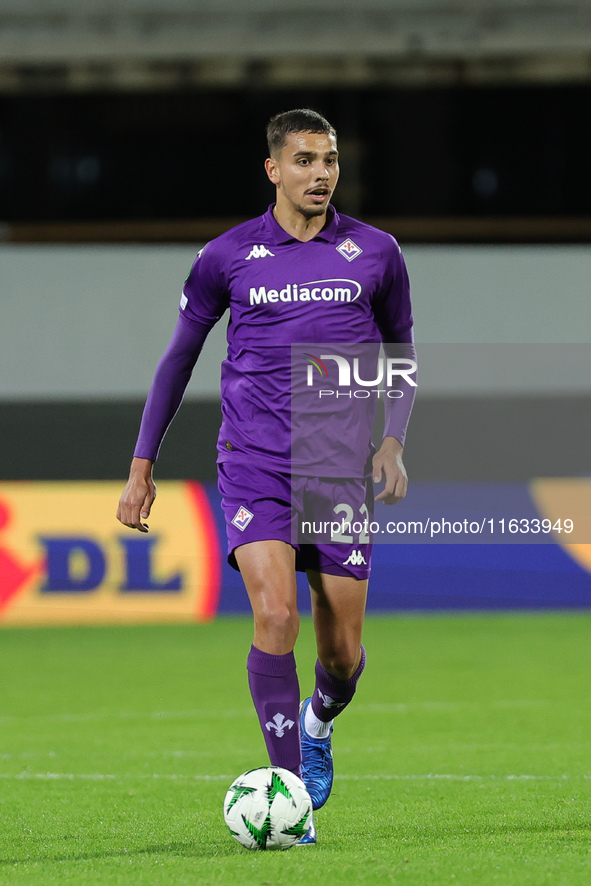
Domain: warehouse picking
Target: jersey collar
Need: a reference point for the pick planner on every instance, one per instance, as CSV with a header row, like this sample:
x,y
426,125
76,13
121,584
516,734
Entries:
x,y
278,235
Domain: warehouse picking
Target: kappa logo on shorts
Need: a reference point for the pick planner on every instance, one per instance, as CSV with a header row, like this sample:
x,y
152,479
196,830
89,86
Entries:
x,y
242,518
349,249
259,252
355,558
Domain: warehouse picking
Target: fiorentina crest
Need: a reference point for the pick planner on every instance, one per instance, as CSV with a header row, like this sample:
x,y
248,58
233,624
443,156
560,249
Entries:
x,y
242,518
349,249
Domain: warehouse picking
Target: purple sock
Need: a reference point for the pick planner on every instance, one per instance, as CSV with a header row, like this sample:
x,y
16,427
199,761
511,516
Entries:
x,y
275,691
331,695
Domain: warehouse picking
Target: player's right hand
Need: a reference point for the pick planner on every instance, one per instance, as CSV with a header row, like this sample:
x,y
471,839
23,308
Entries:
x,y
138,496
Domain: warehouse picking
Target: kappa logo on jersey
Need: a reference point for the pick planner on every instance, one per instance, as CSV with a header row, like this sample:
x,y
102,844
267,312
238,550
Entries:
x,y
242,518
355,558
349,249
337,290
259,252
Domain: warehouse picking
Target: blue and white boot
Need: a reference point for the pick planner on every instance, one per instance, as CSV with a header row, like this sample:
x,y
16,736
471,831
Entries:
x,y
317,766
309,838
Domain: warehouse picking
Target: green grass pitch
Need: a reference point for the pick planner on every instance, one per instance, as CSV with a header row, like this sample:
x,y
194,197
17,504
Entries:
x,y
465,758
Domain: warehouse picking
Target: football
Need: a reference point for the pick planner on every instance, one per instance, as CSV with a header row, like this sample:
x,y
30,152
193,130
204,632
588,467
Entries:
x,y
267,808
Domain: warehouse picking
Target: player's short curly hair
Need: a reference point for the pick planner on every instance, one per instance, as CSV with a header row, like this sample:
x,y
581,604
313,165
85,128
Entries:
x,y
300,120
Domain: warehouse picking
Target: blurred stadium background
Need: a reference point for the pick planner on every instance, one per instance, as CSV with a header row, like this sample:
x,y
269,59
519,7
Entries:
x,y
131,132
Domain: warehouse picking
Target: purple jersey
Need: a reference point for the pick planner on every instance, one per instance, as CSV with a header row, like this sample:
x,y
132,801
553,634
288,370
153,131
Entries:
x,y
349,284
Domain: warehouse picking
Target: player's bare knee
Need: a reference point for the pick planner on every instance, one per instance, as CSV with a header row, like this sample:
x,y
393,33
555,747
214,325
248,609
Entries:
x,y
278,621
342,663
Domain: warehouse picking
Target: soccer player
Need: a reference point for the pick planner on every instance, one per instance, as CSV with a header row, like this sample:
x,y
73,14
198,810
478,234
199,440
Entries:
x,y
261,271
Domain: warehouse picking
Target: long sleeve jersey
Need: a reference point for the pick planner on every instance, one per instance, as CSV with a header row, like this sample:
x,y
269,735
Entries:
x,y
286,297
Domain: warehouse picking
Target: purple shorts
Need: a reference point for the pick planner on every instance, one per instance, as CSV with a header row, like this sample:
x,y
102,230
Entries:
x,y
261,504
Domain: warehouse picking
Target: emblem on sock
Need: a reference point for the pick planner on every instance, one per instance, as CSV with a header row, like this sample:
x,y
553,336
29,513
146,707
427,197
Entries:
x,y
328,702
279,723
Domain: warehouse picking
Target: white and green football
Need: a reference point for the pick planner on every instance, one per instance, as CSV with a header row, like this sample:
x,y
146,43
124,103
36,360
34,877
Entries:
x,y
267,808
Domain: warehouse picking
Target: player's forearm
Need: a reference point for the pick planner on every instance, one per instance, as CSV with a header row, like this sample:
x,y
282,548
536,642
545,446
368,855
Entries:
x,y
397,415
163,401
166,393
397,410
141,467
391,444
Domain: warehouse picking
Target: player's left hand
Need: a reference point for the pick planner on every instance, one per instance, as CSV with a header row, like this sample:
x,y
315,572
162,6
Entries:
x,y
387,462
